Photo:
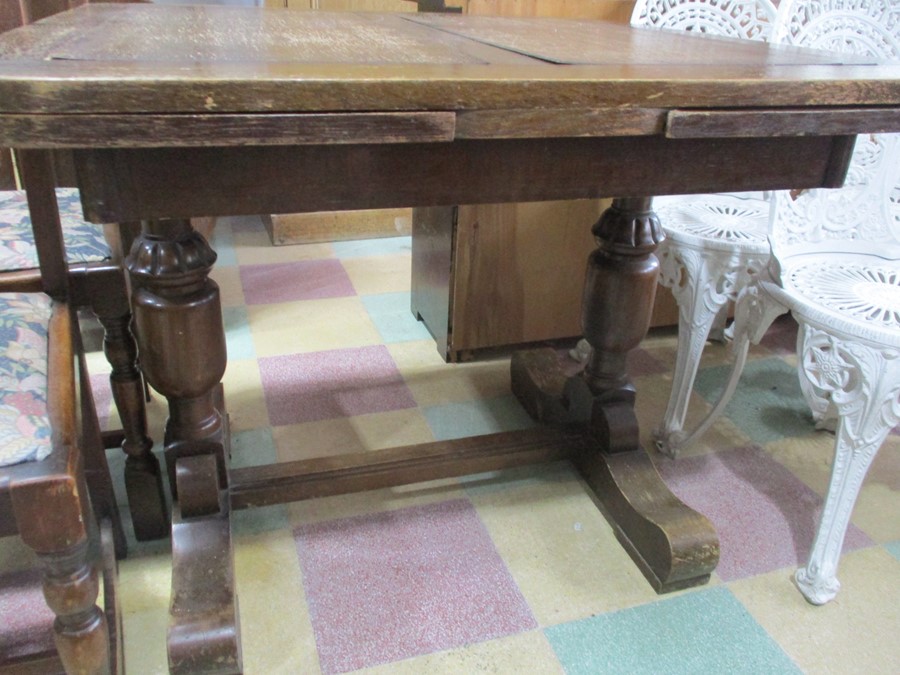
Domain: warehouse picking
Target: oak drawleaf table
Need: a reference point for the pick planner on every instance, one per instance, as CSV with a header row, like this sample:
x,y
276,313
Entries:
x,y
173,112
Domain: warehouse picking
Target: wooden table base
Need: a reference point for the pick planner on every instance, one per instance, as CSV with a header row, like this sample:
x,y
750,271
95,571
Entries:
x,y
674,546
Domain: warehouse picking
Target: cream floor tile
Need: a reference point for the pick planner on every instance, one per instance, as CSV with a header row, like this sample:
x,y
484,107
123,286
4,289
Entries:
x,y
231,292
559,548
310,326
276,631
145,583
351,434
244,396
854,633
380,274
254,247
97,363
144,636
525,653
434,382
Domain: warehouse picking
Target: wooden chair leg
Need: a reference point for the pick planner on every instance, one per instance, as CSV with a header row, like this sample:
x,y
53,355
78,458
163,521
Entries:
x,y
143,477
96,468
55,522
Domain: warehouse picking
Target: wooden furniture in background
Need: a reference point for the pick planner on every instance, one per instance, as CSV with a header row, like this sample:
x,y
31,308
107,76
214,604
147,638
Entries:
x,y
486,276
398,110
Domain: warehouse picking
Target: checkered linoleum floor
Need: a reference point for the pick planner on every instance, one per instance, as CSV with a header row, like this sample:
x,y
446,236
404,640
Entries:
x,y
516,571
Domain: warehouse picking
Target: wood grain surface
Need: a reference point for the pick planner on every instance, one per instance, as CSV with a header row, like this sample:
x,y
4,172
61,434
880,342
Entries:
x,y
207,59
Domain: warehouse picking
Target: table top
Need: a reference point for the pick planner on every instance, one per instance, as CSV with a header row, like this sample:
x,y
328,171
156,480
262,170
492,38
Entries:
x,y
212,60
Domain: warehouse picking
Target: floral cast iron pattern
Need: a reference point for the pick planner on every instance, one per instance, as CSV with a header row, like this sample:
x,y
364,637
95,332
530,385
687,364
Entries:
x,y
747,19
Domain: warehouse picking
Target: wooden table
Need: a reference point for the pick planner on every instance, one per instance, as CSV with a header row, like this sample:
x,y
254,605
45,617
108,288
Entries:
x,y
174,112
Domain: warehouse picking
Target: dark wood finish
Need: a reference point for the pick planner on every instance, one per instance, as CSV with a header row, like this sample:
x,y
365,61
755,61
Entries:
x,y
673,545
104,289
7,170
134,131
151,63
204,631
357,472
158,62
432,259
559,122
138,184
144,484
36,169
734,123
177,314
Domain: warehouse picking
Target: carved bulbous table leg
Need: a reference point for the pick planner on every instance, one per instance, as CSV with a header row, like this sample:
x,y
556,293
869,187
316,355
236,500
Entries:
x,y
178,317
673,545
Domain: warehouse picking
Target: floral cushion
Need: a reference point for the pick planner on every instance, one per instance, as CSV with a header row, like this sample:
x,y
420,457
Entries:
x,y
84,241
24,424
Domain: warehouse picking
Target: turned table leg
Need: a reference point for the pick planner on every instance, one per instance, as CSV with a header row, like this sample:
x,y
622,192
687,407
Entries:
x,y
673,545
178,319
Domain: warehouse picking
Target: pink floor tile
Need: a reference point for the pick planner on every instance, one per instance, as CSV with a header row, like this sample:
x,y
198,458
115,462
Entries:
x,y
100,388
336,383
26,623
393,585
300,280
765,516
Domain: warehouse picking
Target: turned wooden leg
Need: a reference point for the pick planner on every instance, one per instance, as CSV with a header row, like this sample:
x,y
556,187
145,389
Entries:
x,y
673,545
105,289
56,522
178,320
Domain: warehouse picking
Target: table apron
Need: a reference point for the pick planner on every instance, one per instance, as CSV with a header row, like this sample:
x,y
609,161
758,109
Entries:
x,y
131,184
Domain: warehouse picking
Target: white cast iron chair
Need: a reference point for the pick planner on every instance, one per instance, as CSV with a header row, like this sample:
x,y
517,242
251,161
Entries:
x,y
836,267
713,241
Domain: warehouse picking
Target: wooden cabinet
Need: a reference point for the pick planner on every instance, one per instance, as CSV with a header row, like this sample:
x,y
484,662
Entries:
x,y
502,275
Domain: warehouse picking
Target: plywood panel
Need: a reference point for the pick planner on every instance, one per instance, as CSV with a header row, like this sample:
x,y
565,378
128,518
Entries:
x,y
338,225
612,10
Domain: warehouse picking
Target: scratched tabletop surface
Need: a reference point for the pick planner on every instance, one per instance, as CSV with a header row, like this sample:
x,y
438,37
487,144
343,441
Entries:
x,y
182,59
